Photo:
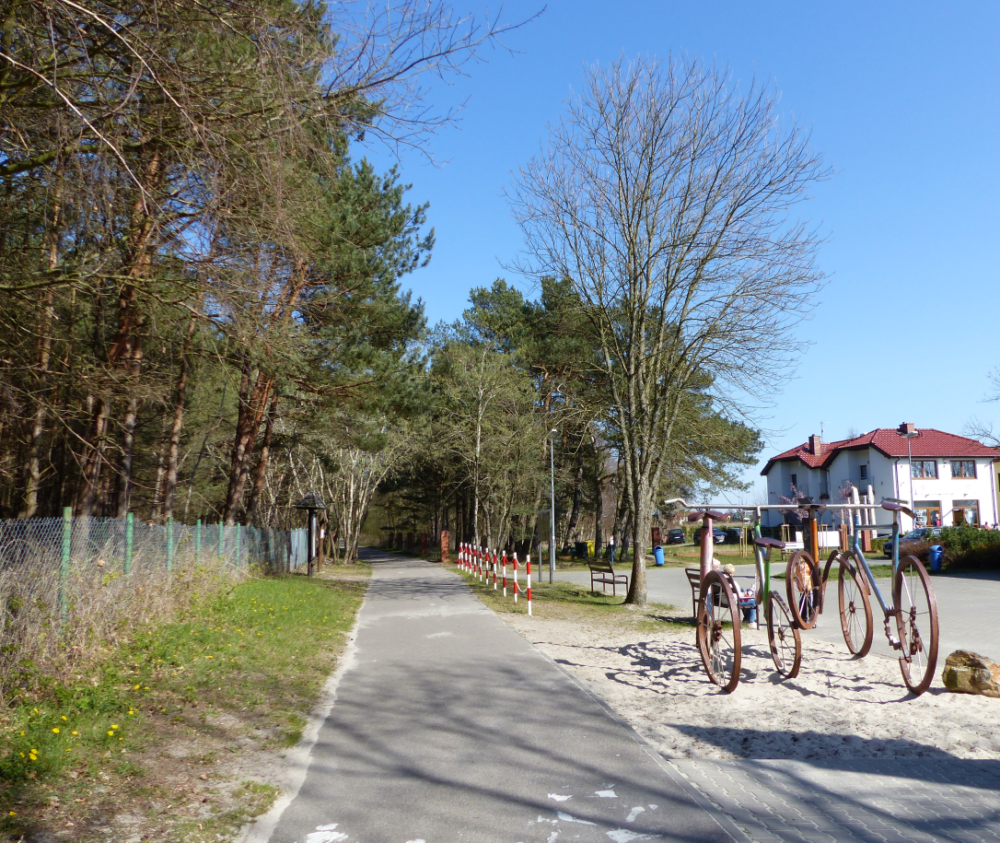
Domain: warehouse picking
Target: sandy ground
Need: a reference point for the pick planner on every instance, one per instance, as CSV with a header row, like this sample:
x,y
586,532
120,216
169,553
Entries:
x,y
836,707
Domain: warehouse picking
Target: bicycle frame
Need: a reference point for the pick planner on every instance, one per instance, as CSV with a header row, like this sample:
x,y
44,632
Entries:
x,y
887,609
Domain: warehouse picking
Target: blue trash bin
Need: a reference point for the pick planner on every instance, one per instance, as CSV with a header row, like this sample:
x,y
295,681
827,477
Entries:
x,y
658,554
937,554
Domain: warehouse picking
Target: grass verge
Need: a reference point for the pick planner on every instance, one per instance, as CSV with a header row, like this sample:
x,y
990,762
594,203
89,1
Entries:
x,y
175,735
572,602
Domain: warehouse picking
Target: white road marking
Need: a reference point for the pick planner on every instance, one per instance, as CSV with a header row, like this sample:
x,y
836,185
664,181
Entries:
x,y
559,797
571,819
606,794
638,809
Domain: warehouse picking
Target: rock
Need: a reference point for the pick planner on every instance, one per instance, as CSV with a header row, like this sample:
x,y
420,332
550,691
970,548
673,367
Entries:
x,y
966,672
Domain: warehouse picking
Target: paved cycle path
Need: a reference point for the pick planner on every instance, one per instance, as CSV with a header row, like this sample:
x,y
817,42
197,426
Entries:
x,y
448,726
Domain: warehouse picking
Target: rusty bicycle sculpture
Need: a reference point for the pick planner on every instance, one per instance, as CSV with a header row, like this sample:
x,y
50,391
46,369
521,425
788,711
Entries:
x,y
718,635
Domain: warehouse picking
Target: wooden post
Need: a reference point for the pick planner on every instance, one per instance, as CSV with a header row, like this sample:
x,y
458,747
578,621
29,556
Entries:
x,y
445,545
706,545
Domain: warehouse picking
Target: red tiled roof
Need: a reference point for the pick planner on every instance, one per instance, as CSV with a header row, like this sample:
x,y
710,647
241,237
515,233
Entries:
x,y
927,443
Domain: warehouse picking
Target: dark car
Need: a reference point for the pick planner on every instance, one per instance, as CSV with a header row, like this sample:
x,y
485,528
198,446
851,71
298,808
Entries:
x,y
718,536
676,536
920,534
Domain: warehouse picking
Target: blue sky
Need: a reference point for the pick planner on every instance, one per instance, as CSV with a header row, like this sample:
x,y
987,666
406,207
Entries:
x,y
902,101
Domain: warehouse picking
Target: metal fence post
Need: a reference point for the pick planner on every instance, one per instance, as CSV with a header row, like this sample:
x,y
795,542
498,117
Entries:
x,y
197,539
170,545
237,544
67,543
128,543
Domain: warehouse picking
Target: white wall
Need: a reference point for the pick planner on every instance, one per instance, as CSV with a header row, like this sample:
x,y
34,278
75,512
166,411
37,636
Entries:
x,y
890,478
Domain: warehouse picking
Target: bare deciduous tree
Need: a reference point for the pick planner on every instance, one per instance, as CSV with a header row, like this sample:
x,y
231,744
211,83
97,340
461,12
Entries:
x,y
666,195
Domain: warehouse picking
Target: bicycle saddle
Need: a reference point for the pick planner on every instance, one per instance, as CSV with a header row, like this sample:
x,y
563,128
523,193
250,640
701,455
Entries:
x,y
766,542
897,507
706,513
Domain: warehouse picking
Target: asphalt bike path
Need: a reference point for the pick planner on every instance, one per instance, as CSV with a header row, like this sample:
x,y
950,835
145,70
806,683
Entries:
x,y
448,726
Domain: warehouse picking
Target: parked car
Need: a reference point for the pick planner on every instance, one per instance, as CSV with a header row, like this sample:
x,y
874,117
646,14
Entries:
x,y
917,535
718,536
676,536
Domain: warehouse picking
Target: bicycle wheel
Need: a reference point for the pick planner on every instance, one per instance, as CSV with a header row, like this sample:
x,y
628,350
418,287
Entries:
x,y
917,623
804,587
855,608
783,637
718,635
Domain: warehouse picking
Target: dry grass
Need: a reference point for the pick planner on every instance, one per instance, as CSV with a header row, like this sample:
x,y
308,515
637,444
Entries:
x,y
54,626
178,735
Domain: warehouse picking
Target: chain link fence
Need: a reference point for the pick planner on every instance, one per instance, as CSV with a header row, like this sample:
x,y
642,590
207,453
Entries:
x,y
70,588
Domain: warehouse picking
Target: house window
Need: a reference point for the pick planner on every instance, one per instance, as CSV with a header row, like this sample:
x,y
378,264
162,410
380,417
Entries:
x,y
966,512
864,472
924,468
928,513
795,481
963,468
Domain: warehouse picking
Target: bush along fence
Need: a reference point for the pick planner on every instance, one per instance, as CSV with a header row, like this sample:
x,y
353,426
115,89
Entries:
x,y
71,588
483,564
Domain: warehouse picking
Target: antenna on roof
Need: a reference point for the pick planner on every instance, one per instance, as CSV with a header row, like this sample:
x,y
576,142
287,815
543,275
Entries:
x,y
821,434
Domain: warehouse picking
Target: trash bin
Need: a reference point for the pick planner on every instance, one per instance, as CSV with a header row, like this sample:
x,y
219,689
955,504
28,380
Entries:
x,y
937,554
658,554
581,550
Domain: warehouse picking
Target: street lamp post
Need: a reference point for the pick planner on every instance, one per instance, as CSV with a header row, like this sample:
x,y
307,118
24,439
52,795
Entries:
x,y
908,431
552,505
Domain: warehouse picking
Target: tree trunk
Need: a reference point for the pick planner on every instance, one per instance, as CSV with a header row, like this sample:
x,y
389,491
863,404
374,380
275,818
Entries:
x,y
174,446
252,405
128,440
572,534
265,451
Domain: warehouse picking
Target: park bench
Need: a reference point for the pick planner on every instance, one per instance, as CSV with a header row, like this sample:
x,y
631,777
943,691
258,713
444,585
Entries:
x,y
694,580
606,575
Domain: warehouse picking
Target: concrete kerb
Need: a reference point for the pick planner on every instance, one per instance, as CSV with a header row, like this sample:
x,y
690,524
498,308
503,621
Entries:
x,y
298,758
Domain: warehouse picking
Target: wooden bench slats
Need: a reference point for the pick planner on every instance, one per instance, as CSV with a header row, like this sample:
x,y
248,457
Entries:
x,y
606,575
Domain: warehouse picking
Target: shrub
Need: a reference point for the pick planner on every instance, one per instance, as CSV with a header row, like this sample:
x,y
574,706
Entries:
x,y
971,548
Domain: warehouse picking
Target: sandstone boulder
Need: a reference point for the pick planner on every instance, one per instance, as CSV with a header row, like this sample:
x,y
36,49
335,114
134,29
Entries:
x,y
966,672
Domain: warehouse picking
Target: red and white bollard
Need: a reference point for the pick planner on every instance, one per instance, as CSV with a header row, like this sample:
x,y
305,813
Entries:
x,y
461,556
515,576
495,570
482,563
505,573
527,564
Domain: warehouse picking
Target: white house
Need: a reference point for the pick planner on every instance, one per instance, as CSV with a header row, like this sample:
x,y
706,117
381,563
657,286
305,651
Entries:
x,y
952,479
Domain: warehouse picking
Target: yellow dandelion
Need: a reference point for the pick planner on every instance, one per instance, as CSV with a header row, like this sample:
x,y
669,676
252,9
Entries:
x,y
55,731
146,688
136,687
75,733
121,739
35,710
63,718
22,733
111,734
115,726
12,814
21,754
